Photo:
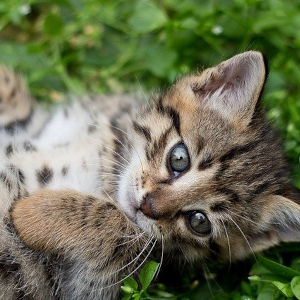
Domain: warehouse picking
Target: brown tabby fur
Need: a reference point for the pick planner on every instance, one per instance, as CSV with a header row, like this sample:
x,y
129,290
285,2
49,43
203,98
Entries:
x,y
71,237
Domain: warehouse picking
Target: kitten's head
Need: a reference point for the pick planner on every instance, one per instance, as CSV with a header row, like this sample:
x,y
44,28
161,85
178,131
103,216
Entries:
x,y
206,171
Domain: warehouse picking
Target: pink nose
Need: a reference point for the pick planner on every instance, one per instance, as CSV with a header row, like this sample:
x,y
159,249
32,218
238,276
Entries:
x,y
147,206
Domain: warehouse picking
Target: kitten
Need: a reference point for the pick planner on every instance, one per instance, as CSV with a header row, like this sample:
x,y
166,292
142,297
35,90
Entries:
x,y
90,190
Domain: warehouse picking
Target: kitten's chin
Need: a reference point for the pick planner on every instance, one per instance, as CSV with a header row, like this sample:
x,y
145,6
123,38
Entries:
x,y
143,222
148,225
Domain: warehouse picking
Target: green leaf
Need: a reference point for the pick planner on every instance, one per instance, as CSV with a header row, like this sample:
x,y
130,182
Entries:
x,y
189,23
136,297
268,292
246,288
254,278
130,282
159,60
147,274
266,21
246,298
296,264
295,285
127,289
163,294
53,25
127,297
277,268
284,288
146,17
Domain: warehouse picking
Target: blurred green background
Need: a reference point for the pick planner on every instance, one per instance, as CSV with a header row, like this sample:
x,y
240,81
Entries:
x,y
90,46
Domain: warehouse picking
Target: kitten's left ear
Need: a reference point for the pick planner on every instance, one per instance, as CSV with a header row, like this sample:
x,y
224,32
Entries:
x,y
281,222
233,87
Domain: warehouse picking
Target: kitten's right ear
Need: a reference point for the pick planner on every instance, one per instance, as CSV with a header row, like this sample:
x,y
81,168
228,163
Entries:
x,y
281,219
233,87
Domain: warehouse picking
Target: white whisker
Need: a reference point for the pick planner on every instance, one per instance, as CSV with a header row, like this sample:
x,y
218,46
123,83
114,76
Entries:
x,y
162,255
115,283
241,231
228,242
206,272
109,160
132,145
110,132
110,149
242,217
137,257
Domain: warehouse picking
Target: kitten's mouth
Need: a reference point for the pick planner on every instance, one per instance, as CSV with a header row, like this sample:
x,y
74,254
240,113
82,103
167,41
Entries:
x,y
136,215
133,211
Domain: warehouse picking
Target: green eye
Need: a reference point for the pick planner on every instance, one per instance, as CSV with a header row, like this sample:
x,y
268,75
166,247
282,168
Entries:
x,y
199,223
179,159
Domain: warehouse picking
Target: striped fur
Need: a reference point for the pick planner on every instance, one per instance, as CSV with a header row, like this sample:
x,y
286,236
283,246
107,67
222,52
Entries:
x,y
88,191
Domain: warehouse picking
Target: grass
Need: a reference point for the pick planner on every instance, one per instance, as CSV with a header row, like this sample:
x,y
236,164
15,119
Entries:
x,y
115,46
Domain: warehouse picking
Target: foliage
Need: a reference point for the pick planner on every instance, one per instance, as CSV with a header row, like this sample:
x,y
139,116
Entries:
x,y
134,291
118,46
269,280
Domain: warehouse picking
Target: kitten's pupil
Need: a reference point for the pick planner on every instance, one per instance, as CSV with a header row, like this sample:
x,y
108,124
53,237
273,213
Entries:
x,y
179,159
199,223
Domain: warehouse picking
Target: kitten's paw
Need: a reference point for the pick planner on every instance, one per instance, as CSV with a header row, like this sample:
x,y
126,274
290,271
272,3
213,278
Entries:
x,y
68,221
15,101
52,220
36,217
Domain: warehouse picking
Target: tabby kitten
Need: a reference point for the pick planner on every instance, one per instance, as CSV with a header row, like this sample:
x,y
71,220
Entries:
x,y
88,191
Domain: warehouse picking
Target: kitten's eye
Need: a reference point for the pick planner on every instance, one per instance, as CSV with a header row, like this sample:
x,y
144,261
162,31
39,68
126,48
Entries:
x,y
179,159
198,222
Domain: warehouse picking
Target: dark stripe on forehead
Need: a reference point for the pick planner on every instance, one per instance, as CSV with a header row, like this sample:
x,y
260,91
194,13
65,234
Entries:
x,y
237,151
200,144
174,115
205,164
219,206
158,146
234,153
261,188
159,104
170,112
142,130
162,141
233,197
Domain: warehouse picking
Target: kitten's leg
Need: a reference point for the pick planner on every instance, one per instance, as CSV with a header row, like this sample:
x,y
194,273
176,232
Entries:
x,y
94,237
15,101
20,270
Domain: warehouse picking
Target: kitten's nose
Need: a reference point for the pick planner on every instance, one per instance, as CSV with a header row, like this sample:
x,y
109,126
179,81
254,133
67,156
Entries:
x,y
147,206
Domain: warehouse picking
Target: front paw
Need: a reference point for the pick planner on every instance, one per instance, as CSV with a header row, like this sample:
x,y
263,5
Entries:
x,y
68,221
32,220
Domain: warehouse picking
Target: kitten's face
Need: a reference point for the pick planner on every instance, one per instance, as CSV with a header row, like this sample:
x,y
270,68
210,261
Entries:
x,y
201,175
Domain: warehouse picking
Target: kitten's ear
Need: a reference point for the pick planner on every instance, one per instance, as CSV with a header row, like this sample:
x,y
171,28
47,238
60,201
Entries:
x,y
281,223
233,87
284,218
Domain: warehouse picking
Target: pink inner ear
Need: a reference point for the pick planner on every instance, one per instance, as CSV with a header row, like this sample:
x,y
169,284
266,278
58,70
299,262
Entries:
x,y
233,87
228,77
